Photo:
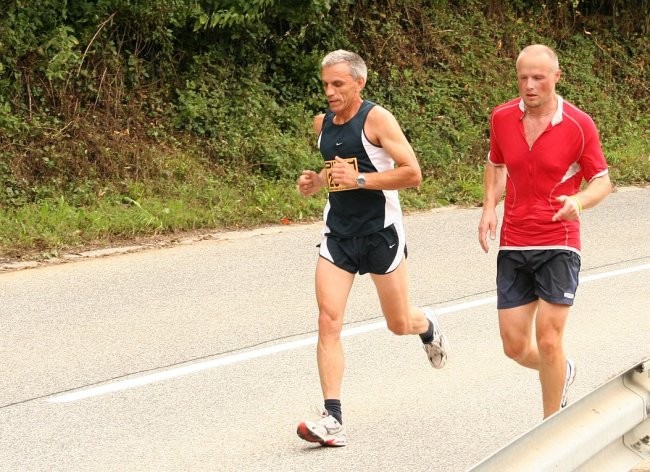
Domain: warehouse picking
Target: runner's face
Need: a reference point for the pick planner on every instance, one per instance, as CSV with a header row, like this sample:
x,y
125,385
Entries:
x,y
343,92
536,78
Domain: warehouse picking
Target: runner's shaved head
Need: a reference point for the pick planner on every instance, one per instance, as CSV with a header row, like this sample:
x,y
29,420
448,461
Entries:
x,y
540,49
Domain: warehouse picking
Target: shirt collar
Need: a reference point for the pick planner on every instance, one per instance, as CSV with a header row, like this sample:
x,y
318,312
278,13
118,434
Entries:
x,y
557,117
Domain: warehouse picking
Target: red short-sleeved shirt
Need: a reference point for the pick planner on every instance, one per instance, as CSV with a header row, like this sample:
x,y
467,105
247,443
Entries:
x,y
566,152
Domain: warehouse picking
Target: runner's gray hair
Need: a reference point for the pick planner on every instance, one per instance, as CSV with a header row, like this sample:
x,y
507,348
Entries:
x,y
357,65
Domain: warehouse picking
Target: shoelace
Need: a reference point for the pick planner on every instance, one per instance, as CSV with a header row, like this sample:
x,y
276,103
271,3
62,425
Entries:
x,y
320,411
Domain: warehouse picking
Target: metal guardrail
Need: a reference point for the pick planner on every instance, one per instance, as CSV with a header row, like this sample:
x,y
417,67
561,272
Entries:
x,y
608,430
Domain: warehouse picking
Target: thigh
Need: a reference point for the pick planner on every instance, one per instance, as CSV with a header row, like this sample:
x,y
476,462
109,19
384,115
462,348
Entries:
x,y
333,286
392,289
551,318
517,322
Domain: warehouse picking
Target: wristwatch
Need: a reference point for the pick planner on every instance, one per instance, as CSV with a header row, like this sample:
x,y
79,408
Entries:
x,y
361,180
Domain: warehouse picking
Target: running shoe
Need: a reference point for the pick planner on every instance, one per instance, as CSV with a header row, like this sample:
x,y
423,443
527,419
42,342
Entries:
x,y
570,377
327,431
437,349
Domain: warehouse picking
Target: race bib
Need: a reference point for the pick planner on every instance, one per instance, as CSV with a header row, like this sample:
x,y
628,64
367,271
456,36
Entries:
x,y
333,187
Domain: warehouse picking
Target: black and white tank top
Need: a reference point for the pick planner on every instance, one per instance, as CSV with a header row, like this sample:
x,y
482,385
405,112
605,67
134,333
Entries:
x,y
357,212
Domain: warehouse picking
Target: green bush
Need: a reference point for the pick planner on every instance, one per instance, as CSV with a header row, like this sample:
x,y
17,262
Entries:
x,y
131,117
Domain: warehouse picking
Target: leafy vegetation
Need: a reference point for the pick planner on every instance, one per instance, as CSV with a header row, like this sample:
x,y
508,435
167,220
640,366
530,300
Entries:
x,y
125,118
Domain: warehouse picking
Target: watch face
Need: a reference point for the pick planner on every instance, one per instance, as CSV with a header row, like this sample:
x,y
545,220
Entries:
x,y
361,180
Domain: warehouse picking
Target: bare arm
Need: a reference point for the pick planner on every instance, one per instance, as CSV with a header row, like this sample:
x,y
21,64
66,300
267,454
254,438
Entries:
x,y
494,183
310,182
382,129
589,197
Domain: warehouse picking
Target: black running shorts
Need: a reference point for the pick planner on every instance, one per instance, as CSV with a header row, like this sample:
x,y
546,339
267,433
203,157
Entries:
x,y
524,276
376,253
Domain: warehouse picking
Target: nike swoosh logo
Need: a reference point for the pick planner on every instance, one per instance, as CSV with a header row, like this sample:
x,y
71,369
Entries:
x,y
391,246
338,144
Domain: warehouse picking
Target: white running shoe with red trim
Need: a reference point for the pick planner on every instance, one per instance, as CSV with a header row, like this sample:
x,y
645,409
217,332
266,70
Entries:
x,y
327,431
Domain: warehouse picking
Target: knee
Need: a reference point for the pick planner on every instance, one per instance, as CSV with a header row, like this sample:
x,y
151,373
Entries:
x,y
398,327
329,324
515,347
549,345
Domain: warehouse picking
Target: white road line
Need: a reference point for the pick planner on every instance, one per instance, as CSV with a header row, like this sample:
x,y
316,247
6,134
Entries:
x,y
614,273
289,346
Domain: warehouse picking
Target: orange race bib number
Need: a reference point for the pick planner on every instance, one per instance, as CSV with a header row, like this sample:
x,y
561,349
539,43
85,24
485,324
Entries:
x,y
334,187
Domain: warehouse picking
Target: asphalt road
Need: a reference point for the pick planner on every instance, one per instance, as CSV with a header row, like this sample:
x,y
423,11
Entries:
x,y
201,356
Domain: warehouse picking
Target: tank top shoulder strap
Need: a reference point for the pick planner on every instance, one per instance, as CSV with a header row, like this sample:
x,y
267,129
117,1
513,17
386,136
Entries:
x,y
329,116
359,121
365,108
